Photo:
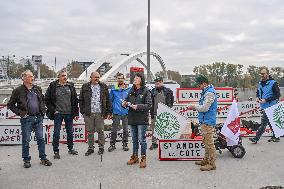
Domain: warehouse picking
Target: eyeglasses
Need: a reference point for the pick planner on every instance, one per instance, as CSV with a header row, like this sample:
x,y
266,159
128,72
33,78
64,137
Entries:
x,y
120,78
262,73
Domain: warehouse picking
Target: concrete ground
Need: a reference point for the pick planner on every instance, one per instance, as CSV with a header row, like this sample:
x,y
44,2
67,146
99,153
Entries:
x,y
263,165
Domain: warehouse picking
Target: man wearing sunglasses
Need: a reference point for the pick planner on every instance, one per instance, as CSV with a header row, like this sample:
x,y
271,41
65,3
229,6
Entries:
x,y
267,94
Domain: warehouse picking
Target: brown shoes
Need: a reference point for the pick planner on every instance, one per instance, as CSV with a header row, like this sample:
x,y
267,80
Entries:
x,y
143,162
202,163
134,159
208,167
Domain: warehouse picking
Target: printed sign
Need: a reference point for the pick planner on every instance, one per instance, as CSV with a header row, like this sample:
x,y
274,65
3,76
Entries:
x,y
186,95
79,133
12,134
223,109
181,150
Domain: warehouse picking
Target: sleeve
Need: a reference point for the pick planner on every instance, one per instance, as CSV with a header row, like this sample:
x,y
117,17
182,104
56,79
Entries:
x,y
172,99
208,101
108,102
81,101
12,103
47,98
76,113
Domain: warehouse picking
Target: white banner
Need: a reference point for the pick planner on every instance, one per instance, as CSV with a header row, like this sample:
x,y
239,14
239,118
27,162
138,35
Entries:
x,y
275,115
169,124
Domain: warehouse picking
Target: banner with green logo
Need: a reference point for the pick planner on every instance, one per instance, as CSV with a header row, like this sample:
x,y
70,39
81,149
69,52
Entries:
x,y
275,115
169,124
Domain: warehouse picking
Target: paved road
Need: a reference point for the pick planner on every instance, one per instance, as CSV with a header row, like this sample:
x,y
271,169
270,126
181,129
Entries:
x,y
263,165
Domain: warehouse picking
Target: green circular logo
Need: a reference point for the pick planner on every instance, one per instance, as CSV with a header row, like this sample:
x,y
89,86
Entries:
x,y
166,125
278,116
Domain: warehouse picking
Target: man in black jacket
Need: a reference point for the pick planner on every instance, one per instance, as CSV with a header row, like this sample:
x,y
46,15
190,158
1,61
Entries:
x,y
95,105
160,94
27,102
62,104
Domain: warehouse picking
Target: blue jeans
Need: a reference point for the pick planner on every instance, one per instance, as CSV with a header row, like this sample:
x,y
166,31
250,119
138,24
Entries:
x,y
68,119
261,129
138,133
27,124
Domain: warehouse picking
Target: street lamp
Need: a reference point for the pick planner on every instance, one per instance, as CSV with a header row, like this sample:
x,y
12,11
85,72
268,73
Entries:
x,y
148,46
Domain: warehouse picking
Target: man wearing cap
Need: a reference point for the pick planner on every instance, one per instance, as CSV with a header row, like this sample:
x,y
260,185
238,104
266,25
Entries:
x,y
207,109
160,94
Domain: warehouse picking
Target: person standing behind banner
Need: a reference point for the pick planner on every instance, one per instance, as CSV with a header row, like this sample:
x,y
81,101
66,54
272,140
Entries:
x,y
139,103
207,112
117,94
62,104
95,106
267,94
27,102
159,94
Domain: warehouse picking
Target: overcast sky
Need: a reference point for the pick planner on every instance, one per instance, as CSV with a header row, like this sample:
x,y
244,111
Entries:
x,y
185,33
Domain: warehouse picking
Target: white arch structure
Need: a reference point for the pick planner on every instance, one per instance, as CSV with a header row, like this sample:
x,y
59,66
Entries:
x,y
119,65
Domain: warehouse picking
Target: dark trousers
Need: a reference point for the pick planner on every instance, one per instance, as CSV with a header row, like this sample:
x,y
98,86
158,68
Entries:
x,y
116,121
264,123
58,119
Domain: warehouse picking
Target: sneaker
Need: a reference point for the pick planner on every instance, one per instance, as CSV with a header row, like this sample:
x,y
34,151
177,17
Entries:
x,y
101,151
56,155
153,146
253,140
111,148
73,152
125,147
27,164
271,139
89,152
45,162
276,139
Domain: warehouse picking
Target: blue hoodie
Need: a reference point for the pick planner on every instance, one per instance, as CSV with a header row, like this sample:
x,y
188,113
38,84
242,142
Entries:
x,y
117,95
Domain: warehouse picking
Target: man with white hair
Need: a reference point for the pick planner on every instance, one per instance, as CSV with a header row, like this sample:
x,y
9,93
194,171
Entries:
x,y
27,102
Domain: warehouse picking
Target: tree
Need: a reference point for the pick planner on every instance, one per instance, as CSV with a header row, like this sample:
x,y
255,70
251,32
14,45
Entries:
x,y
172,75
15,70
74,70
46,72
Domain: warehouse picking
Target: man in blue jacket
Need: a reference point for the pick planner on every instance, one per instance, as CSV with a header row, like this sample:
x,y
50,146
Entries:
x,y
267,94
117,95
207,111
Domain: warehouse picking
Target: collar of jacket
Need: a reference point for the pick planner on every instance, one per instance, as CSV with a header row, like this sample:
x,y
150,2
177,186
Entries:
x,y
58,84
116,87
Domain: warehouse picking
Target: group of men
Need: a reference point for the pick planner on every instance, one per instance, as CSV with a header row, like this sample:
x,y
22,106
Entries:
x,y
61,103
96,103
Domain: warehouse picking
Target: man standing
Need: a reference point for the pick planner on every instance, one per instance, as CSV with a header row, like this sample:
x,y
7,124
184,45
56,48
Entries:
x,y
267,94
117,95
62,104
95,105
27,102
160,94
207,110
